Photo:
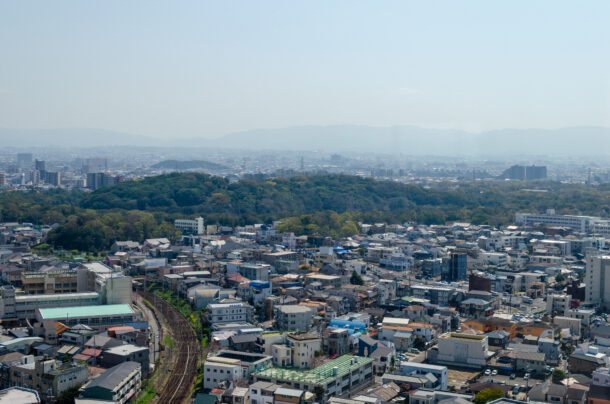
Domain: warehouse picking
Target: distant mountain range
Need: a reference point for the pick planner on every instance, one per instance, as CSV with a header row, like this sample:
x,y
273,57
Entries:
x,y
188,165
408,140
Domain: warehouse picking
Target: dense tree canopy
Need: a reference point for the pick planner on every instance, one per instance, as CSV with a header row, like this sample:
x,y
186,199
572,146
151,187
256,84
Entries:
x,y
327,204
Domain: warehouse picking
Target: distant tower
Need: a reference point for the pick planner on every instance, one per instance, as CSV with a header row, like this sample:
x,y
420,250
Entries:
x,y
302,164
589,177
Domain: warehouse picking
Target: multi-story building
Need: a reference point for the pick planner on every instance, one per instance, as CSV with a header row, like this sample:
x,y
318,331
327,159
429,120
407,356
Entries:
x,y
524,173
98,180
339,377
304,347
255,271
49,377
113,286
49,282
580,224
293,317
119,385
463,349
24,306
229,312
190,226
24,160
597,280
231,366
558,304
456,270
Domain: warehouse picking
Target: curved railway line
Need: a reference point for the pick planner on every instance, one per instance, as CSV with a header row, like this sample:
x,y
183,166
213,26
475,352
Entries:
x,y
186,354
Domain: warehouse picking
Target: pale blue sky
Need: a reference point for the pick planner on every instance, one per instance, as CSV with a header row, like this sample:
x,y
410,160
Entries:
x,y
198,68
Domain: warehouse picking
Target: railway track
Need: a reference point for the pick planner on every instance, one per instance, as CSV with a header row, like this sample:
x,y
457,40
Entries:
x,y
186,355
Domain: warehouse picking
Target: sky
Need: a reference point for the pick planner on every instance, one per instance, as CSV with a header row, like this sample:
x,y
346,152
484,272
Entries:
x,y
176,69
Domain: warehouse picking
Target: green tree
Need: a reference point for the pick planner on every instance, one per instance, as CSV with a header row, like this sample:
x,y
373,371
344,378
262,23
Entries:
x,y
558,375
487,395
559,278
68,396
356,279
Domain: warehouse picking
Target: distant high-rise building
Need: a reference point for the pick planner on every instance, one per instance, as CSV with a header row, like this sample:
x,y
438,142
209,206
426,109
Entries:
x,y
24,160
53,178
40,165
524,173
35,176
457,268
2,179
98,180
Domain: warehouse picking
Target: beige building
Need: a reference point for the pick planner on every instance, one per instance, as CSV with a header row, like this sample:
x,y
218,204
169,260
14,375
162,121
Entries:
x,y
38,283
463,349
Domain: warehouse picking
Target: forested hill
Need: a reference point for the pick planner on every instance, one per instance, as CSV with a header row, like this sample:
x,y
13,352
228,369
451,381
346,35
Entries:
x,y
328,204
251,200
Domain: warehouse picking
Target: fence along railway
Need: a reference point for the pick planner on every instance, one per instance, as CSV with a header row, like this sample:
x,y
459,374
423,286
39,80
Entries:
x,y
178,386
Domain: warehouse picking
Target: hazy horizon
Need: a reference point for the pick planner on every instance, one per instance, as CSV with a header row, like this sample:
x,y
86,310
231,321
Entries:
x,y
206,69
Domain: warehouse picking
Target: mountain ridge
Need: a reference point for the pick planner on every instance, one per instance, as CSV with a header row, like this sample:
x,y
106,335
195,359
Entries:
x,y
398,139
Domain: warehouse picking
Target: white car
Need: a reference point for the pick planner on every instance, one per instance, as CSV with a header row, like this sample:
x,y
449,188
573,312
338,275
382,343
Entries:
x,y
487,372
494,372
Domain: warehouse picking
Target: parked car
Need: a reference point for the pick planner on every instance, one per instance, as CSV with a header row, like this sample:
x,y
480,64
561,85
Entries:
x,y
487,372
494,372
512,376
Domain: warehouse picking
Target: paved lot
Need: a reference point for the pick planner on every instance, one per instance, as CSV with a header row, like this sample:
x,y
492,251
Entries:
x,y
508,381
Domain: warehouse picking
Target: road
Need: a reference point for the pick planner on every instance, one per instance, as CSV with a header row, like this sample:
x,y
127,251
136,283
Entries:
x,y
155,329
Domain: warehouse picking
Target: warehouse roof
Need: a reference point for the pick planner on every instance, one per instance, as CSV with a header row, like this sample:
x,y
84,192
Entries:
x,y
85,311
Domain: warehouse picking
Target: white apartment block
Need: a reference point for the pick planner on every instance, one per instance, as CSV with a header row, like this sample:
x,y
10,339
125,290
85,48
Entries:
x,y
573,324
219,313
580,224
190,226
597,280
217,370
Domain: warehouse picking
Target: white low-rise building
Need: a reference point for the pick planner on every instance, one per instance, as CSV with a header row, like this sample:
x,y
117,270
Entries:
x,y
463,349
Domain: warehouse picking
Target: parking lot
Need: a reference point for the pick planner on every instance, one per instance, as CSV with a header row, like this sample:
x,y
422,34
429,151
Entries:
x,y
505,379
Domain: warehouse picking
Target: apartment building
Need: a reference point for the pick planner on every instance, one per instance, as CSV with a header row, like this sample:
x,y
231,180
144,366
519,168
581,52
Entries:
x,y
597,280
232,312
190,226
293,317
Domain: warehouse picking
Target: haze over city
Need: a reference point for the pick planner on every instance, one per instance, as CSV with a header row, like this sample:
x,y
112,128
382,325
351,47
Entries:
x,y
206,69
